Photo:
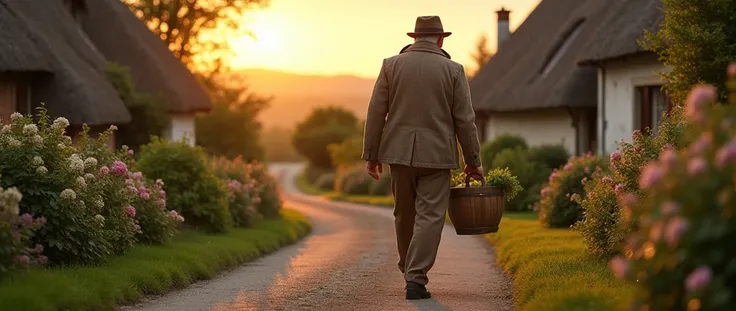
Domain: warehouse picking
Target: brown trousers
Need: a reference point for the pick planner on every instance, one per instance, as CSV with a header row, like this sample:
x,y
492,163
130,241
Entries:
x,y
421,196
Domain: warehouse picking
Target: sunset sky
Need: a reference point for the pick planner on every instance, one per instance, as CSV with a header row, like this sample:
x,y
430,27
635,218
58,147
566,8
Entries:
x,y
329,37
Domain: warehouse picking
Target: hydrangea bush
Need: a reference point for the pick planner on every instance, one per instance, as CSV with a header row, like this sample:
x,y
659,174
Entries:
x,y
497,177
679,254
39,160
243,190
15,234
190,184
558,207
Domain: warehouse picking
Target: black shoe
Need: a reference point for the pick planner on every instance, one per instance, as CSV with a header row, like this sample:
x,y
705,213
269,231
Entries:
x,y
416,291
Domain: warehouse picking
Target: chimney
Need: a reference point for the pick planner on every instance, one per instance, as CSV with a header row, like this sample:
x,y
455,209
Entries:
x,y
503,26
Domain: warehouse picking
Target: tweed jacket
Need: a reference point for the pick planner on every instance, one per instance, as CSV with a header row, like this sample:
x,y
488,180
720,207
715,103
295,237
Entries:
x,y
420,109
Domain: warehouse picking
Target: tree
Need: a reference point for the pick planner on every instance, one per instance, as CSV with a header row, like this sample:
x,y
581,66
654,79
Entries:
x,y
697,40
193,29
323,127
148,112
231,129
482,54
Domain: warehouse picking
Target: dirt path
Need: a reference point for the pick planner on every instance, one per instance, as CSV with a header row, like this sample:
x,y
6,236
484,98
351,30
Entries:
x,y
347,263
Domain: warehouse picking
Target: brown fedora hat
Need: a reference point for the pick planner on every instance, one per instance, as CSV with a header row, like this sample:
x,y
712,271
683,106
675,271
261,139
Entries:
x,y
428,25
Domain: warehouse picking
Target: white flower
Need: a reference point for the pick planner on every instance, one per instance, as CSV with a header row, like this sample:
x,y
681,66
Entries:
x,y
100,219
89,176
12,142
15,116
60,123
99,202
9,199
90,162
67,140
6,129
81,183
68,194
37,140
42,170
37,161
76,164
30,129
113,127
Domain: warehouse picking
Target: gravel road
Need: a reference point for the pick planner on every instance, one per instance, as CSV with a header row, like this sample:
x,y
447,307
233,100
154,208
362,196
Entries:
x,y
348,262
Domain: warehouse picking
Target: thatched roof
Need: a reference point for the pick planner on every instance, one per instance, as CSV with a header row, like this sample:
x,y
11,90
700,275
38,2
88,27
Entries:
x,y
514,79
46,38
621,30
124,39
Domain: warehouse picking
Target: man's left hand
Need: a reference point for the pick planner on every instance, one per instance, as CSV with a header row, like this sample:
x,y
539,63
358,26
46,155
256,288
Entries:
x,y
374,168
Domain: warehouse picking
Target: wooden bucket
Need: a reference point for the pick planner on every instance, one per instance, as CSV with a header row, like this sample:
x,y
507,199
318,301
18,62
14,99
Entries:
x,y
476,210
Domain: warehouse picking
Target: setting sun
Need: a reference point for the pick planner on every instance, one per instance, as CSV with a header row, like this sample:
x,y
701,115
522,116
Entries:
x,y
268,36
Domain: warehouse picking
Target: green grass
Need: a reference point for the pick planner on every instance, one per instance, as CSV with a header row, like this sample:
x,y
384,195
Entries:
x,y
191,256
553,271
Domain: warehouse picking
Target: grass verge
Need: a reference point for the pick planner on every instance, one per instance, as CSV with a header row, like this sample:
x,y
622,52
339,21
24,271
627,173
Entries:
x,y
145,270
304,186
553,271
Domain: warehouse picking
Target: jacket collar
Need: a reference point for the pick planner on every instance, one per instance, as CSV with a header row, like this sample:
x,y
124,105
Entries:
x,y
426,47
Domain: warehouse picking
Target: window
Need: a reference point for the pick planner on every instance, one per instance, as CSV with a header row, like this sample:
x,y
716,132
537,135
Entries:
x,y
651,105
14,96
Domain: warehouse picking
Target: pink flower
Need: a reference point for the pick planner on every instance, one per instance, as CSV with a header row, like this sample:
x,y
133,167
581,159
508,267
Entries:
x,y
701,144
130,211
620,267
699,97
674,230
145,195
129,182
669,208
568,166
138,175
119,168
699,279
104,170
130,152
635,134
619,188
551,178
584,181
731,71
545,191
42,259
27,219
615,157
607,179
726,155
162,194
38,249
696,166
668,157
650,175
161,203
656,231
628,199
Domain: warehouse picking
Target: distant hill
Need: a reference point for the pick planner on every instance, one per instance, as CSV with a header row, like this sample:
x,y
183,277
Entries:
x,y
296,95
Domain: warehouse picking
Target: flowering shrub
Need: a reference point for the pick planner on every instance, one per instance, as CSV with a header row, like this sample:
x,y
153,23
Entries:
x,y
602,226
270,202
15,234
678,254
497,177
558,207
243,192
39,161
191,186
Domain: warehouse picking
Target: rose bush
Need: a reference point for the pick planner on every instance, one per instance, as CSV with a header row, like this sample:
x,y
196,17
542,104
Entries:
x,y
678,254
558,207
243,189
269,204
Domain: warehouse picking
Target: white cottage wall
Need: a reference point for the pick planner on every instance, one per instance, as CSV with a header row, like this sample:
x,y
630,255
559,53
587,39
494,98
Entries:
x,y
537,127
182,125
616,105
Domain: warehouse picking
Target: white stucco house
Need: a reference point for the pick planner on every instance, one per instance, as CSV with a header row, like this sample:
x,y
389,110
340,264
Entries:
x,y
630,95
533,86
118,34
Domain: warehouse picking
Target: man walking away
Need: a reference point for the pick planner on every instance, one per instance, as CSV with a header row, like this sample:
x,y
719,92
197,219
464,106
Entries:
x,y
419,110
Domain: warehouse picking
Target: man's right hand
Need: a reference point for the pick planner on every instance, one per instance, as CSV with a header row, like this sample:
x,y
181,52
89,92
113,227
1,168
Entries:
x,y
475,172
